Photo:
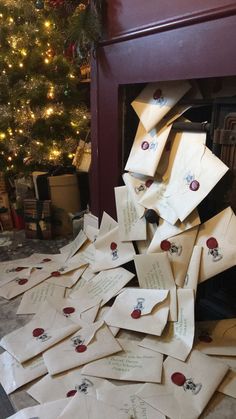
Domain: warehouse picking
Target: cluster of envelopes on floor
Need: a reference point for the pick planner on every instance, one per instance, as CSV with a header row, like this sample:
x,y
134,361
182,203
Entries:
x,y
95,327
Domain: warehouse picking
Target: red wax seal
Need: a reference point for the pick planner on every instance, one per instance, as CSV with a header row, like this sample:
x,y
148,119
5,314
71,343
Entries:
x,y
136,314
148,183
71,393
212,243
157,94
178,378
205,338
37,332
19,268
22,281
165,245
194,185
113,246
55,273
81,348
68,310
46,260
144,145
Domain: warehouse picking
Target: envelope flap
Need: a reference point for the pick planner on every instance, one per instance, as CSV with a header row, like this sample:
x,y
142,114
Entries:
x,y
141,302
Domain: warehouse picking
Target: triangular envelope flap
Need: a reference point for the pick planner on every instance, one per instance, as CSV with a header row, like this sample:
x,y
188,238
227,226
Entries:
x,y
147,299
222,225
88,332
72,309
137,184
156,99
107,224
216,337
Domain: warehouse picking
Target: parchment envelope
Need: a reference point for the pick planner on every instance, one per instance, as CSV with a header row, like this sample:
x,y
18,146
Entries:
x,y
92,342
154,271
44,260
199,171
124,398
147,149
157,196
137,184
71,248
46,328
32,299
14,375
156,99
49,410
90,407
102,287
111,252
21,284
10,271
66,280
100,316
187,386
132,364
179,250
228,385
217,236
140,310
143,245
165,230
91,233
66,385
177,338
216,337
192,276
107,224
78,311
85,256
131,226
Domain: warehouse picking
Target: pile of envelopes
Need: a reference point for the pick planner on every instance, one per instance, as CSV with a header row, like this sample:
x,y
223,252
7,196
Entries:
x,y
104,341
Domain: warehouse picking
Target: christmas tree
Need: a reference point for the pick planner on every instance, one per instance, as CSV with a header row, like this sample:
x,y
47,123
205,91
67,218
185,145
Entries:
x,y
43,105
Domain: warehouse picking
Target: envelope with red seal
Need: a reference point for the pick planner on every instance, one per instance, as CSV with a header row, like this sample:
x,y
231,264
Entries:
x,y
187,386
137,184
156,100
216,337
92,342
47,327
217,236
140,310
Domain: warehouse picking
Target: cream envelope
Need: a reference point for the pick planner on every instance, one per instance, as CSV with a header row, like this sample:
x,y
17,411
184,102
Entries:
x,y
140,310
179,250
49,410
92,342
103,286
46,328
66,280
107,224
147,150
132,364
70,249
165,230
44,260
78,311
137,184
192,275
216,337
124,398
91,233
131,226
154,271
66,385
199,171
156,99
228,385
90,220
14,375
100,316
32,299
111,252
90,408
157,196
21,284
9,271
143,245
217,237
177,338
187,386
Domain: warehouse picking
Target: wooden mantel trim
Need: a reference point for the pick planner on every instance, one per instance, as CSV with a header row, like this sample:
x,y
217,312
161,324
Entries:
x,y
176,22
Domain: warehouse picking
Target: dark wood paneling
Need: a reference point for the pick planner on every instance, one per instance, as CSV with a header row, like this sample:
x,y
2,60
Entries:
x,y
126,18
202,50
